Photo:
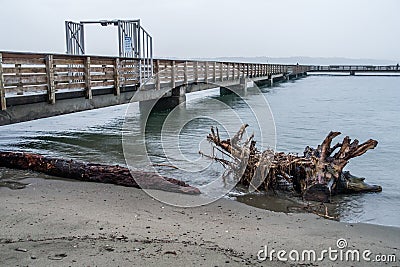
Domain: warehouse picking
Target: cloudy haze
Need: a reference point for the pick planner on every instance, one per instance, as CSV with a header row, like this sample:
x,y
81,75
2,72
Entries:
x,y
214,28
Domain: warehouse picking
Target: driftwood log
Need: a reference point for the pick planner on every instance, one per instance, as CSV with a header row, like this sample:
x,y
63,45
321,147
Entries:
x,y
93,172
316,175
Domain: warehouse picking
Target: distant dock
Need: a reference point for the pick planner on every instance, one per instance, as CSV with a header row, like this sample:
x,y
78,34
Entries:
x,y
356,69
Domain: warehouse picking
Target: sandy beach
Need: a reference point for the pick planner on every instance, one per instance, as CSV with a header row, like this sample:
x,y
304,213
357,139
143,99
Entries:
x,y
69,223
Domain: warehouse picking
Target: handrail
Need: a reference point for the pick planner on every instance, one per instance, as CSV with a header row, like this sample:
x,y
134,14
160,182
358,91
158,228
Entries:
x,y
30,73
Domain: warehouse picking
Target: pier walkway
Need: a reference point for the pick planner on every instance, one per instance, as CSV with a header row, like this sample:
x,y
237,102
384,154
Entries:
x,y
34,85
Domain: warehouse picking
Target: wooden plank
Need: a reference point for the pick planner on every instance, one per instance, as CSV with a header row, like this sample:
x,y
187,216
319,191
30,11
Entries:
x,y
31,88
27,70
70,85
106,61
79,62
13,80
23,61
129,82
101,69
125,63
68,69
23,55
101,77
117,77
88,88
23,75
128,70
51,92
3,103
103,84
125,76
69,78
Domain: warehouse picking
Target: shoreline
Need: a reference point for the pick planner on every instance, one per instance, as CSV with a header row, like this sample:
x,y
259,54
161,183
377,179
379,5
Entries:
x,y
71,223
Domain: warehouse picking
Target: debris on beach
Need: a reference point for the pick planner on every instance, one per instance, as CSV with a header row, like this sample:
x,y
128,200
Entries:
x,y
90,172
316,176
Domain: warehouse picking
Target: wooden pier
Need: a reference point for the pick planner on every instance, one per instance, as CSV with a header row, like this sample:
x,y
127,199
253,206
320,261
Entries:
x,y
35,85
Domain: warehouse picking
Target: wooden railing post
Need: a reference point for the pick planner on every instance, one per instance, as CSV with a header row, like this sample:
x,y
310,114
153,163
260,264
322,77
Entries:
x,y
221,73
88,87
2,89
51,92
173,74
196,71
158,73
206,71
20,90
214,71
117,89
185,73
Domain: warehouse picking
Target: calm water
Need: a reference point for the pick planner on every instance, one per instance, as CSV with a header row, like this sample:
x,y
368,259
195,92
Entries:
x,y
304,112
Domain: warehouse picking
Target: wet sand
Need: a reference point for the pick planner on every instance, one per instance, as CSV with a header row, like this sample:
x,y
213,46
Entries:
x,y
69,223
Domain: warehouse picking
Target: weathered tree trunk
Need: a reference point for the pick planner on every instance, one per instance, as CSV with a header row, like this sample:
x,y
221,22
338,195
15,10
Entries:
x,y
93,172
316,175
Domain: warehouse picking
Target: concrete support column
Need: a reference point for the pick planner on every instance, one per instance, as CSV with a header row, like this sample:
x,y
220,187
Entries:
x,y
177,97
271,80
238,89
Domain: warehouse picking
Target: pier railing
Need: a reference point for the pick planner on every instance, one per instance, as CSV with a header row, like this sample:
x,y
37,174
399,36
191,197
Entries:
x,y
36,73
362,68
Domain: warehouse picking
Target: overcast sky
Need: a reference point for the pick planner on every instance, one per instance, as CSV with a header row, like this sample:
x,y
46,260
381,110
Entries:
x,y
214,28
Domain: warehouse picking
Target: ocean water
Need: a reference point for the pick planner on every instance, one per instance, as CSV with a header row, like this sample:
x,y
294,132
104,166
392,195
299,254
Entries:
x,y
304,112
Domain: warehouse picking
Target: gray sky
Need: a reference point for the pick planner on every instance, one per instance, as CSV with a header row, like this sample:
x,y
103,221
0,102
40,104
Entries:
x,y
214,28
